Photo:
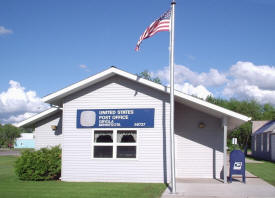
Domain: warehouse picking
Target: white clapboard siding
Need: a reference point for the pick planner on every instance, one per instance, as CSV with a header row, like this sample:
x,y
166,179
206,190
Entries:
x,y
116,92
44,136
199,151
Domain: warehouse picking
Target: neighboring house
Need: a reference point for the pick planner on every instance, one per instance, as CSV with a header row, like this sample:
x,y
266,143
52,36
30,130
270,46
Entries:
x,y
25,141
114,127
47,128
263,140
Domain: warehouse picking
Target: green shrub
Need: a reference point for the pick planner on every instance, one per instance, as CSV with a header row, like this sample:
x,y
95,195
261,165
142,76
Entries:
x,y
234,147
44,164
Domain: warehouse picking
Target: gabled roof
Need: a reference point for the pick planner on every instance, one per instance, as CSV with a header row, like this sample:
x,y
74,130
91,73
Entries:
x,y
256,124
38,117
235,119
268,127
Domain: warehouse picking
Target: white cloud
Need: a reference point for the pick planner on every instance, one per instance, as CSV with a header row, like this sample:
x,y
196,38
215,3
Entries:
x,y
242,90
15,119
190,82
16,104
3,30
249,81
243,80
84,67
199,91
262,76
183,74
191,57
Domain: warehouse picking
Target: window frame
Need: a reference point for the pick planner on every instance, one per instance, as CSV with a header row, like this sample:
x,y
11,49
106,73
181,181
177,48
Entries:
x,y
101,144
114,144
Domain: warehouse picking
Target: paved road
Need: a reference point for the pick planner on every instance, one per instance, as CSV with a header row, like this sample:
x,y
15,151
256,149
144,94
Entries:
x,y
9,152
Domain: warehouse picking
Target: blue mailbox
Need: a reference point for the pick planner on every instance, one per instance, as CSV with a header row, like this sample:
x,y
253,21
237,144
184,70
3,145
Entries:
x,y
237,164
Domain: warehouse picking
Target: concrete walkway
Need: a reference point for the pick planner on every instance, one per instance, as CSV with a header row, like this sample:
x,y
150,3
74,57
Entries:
x,y
210,188
249,160
214,188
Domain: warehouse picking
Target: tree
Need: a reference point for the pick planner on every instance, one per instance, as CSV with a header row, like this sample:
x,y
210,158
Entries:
x,y
250,108
146,75
8,134
268,112
2,141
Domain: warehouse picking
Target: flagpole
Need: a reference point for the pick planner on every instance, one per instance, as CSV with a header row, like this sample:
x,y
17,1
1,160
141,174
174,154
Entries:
x,y
172,103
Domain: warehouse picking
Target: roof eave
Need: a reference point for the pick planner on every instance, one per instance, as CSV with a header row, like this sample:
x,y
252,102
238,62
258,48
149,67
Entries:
x,y
52,98
204,103
37,117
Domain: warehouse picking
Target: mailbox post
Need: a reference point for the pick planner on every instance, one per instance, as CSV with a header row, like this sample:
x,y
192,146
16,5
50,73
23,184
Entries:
x,y
237,164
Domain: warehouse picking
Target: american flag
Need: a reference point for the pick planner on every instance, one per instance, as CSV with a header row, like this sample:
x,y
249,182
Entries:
x,y
161,24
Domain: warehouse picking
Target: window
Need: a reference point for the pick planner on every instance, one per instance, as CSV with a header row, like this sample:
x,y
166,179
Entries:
x,y
115,144
103,136
126,144
103,144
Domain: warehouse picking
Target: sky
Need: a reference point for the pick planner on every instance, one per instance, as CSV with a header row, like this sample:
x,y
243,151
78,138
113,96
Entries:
x,y
223,48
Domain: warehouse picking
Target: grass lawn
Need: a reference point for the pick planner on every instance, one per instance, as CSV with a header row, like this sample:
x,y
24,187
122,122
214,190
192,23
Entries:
x,y
265,170
10,186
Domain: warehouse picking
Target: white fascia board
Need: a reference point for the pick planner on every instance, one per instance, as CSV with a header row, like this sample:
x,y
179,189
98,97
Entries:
x,y
222,110
209,105
185,96
112,71
37,117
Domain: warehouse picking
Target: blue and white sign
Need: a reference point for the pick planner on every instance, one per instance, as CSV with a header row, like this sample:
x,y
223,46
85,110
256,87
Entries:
x,y
115,118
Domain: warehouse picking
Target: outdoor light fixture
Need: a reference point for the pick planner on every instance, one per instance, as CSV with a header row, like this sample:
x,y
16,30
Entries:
x,y
54,127
201,125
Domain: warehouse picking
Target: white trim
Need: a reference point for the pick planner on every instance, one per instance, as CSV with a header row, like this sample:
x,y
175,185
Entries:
x,y
225,123
114,144
212,106
114,71
37,117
